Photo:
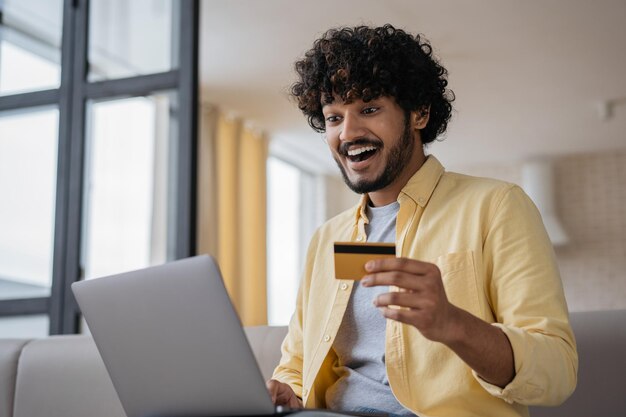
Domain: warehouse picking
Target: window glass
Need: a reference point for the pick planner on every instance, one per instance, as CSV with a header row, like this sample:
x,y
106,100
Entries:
x,y
24,327
284,219
28,165
129,213
30,45
129,38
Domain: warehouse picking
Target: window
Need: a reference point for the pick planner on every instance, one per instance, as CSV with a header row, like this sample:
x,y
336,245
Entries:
x,y
122,39
28,166
293,215
129,221
30,45
97,140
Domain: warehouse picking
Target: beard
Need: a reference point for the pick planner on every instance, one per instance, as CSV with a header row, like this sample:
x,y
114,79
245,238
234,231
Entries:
x,y
398,157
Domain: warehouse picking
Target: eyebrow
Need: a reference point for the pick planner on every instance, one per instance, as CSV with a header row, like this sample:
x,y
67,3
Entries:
x,y
324,106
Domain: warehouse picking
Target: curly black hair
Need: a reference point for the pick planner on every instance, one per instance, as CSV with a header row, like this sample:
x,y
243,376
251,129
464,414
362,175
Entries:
x,y
366,63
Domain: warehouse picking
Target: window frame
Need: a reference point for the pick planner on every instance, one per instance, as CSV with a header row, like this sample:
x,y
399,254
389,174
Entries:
x,y
71,98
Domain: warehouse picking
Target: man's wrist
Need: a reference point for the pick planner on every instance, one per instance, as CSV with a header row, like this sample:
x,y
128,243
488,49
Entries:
x,y
456,330
485,348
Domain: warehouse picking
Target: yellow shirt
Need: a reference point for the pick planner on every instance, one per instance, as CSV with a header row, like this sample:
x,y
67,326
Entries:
x,y
496,262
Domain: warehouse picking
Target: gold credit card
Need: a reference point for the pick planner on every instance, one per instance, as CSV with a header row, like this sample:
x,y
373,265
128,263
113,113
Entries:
x,y
351,257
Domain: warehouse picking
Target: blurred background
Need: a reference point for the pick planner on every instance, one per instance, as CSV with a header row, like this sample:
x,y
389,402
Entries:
x,y
134,133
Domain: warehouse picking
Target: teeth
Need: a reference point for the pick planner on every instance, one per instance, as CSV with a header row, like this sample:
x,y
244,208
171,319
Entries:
x,y
358,151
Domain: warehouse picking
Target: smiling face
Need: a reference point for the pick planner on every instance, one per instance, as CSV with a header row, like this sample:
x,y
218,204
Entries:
x,y
375,144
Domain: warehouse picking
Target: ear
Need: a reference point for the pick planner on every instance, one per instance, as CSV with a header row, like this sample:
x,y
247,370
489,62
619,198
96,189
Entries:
x,y
420,117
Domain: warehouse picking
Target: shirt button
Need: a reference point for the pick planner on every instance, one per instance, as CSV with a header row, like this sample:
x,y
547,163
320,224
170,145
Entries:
x,y
305,392
344,286
359,239
421,200
326,338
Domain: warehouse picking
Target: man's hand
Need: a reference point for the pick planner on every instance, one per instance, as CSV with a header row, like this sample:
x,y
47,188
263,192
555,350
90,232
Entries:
x,y
282,394
421,292
485,348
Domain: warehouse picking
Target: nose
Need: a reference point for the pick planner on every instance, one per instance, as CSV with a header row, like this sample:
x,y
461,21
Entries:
x,y
352,128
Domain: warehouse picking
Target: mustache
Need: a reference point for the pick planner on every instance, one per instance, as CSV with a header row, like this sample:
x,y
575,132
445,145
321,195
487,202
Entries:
x,y
345,146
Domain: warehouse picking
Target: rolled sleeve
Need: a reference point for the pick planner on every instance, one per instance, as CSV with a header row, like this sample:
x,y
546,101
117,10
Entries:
x,y
537,378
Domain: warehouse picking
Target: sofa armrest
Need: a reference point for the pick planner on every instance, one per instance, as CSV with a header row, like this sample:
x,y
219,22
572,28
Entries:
x,y
10,350
64,376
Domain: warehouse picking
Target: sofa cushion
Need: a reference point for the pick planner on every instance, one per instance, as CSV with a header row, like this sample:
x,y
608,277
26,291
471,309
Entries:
x,y
10,350
64,376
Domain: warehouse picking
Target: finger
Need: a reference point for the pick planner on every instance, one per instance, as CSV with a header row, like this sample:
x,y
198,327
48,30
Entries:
x,y
400,299
272,388
396,278
273,394
279,399
281,396
294,402
400,315
412,266
282,400
284,395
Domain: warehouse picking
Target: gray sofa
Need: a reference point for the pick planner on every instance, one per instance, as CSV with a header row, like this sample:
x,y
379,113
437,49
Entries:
x,y
63,376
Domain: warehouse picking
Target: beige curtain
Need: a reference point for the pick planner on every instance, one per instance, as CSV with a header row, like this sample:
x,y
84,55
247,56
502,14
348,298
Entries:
x,y
232,209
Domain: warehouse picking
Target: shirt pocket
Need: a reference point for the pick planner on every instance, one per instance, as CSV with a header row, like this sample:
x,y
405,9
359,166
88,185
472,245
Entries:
x,y
459,280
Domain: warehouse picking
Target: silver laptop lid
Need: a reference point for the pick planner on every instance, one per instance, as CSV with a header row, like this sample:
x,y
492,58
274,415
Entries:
x,y
172,342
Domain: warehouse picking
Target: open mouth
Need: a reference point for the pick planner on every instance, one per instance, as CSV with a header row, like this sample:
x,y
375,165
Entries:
x,y
361,153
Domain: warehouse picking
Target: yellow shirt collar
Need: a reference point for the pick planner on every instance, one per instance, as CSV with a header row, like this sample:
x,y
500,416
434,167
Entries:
x,y
419,188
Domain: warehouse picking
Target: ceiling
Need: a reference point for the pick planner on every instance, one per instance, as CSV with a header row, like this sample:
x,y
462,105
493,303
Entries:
x,y
529,76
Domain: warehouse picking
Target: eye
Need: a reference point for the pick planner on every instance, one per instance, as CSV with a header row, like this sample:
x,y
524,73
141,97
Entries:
x,y
370,110
332,119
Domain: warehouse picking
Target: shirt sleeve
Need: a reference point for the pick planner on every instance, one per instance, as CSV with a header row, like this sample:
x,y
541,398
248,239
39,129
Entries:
x,y
527,299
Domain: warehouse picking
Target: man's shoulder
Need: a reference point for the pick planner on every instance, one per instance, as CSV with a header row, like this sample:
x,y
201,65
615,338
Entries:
x,y
470,194
478,186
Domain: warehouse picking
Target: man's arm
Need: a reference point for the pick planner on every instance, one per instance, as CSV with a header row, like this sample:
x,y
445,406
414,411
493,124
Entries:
x,y
522,282
485,348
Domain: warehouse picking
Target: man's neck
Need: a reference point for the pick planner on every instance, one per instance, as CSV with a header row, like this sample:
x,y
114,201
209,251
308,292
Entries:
x,y
390,193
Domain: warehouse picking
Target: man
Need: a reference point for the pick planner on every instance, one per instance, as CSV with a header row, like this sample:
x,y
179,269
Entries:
x,y
470,318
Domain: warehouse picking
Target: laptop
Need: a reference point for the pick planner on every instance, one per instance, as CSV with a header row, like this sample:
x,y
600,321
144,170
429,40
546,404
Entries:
x,y
172,342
